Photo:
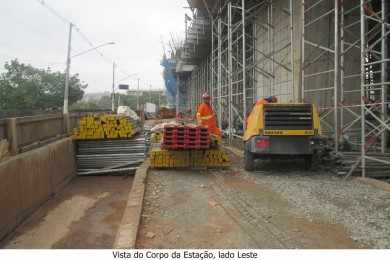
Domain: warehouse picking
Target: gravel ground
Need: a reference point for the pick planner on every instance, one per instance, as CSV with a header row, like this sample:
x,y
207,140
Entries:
x,y
229,209
363,210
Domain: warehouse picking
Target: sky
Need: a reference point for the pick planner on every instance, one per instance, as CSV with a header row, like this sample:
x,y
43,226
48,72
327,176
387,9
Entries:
x,y
33,35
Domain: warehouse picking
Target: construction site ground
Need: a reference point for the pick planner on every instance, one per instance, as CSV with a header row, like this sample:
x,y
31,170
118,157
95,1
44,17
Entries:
x,y
278,206
85,214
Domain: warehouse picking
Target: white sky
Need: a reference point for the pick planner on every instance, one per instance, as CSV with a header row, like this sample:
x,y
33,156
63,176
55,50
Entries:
x,y
35,36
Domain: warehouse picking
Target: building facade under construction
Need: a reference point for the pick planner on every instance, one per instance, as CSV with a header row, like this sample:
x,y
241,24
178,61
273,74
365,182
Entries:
x,y
332,53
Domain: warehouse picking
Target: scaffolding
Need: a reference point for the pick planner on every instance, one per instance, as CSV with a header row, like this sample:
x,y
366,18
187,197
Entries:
x,y
240,70
374,35
248,53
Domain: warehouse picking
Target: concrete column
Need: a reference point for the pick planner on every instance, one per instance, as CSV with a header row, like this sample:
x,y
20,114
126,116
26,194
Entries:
x,y
12,135
297,48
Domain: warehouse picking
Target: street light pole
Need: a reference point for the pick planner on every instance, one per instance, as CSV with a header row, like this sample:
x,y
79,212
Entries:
x,y
159,96
67,72
66,92
65,111
150,93
92,49
113,88
138,94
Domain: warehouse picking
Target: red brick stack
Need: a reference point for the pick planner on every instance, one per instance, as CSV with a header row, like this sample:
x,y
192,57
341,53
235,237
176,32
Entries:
x,y
186,137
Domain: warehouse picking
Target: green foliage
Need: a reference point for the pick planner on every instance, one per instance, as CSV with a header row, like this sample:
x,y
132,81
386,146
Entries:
x,y
25,87
104,103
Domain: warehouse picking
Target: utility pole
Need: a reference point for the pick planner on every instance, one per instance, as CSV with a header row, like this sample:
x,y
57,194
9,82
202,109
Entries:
x,y
66,92
159,104
65,111
138,94
150,93
113,88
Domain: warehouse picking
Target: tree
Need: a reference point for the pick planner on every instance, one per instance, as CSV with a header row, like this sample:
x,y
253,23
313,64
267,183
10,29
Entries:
x,y
23,87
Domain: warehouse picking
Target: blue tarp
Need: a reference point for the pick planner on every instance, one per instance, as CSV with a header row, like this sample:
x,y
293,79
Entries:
x,y
169,79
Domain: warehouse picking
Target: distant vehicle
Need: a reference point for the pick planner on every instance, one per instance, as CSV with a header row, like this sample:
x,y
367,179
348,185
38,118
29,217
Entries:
x,y
150,110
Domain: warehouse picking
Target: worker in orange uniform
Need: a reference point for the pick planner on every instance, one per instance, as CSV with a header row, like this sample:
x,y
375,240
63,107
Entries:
x,y
206,116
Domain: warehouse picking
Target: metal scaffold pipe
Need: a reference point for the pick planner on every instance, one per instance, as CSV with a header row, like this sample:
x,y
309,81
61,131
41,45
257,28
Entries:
x,y
362,88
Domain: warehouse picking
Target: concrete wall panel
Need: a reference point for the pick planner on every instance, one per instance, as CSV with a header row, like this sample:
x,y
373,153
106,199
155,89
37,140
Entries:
x,y
34,179
29,179
10,197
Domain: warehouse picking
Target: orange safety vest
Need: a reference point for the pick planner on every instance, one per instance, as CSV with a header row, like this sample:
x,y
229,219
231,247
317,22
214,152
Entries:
x,y
206,117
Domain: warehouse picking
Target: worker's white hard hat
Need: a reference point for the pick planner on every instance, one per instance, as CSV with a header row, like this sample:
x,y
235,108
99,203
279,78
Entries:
x,y
205,95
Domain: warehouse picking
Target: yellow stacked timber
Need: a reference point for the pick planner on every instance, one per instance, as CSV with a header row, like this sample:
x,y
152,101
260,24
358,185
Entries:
x,y
169,159
156,137
104,127
216,158
161,158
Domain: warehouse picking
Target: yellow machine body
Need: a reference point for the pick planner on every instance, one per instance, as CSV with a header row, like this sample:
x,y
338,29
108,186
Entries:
x,y
256,123
282,131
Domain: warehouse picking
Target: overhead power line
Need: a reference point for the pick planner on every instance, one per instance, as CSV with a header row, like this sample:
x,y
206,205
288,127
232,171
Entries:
x,y
54,12
82,34
75,26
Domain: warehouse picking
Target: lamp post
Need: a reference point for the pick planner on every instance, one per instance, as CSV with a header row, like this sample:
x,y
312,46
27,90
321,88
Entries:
x,y
68,58
68,62
138,108
92,49
113,88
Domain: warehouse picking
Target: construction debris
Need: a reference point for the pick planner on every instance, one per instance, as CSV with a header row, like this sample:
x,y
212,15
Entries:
x,y
351,163
105,127
348,163
165,113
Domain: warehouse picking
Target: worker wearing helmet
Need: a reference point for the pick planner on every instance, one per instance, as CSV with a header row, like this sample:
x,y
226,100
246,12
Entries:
x,y
206,116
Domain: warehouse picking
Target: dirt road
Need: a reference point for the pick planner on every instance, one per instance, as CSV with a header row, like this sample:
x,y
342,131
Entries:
x,y
274,208
86,214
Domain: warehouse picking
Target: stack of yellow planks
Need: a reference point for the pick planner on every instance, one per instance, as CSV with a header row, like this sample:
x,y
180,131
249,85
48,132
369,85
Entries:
x,y
104,127
156,137
161,158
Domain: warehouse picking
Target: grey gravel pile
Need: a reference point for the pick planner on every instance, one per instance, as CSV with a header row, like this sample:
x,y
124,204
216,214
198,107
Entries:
x,y
362,209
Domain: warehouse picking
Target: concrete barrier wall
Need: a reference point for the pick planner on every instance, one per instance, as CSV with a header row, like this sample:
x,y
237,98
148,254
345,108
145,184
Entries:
x,y
2,129
29,132
38,128
29,179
